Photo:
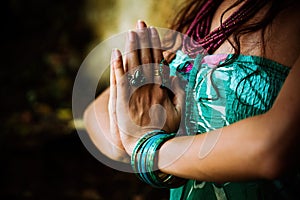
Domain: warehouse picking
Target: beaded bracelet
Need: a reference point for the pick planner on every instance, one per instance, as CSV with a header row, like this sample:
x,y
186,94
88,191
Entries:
x,y
144,160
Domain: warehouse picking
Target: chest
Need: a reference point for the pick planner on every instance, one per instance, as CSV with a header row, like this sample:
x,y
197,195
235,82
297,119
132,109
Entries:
x,y
217,97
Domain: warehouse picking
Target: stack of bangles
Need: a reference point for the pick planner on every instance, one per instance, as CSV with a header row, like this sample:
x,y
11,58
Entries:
x,y
144,161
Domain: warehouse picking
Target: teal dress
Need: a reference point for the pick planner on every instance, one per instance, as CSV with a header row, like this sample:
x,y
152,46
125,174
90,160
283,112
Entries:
x,y
217,96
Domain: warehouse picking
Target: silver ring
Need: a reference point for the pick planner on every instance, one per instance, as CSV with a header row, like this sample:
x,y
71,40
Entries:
x,y
156,72
137,78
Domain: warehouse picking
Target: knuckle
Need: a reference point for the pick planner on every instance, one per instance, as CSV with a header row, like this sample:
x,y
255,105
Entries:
x,y
117,63
143,35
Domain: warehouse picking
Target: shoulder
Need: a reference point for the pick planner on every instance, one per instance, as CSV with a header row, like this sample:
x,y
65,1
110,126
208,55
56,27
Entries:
x,y
283,41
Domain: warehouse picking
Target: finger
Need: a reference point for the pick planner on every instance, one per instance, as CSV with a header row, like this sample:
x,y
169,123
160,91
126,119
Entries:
x,y
112,100
113,124
133,67
157,55
145,52
155,45
112,77
119,75
112,91
131,52
122,94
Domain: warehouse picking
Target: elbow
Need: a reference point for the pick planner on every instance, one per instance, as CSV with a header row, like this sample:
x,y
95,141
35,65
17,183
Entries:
x,y
275,161
272,167
277,149
279,163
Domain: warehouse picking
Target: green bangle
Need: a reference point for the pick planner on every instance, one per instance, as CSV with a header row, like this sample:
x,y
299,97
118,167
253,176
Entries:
x,y
144,160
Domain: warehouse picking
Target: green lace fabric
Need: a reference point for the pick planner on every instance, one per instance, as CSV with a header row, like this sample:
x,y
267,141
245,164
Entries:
x,y
217,96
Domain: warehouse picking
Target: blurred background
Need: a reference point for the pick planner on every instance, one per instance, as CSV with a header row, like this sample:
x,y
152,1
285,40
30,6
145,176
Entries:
x,y
43,44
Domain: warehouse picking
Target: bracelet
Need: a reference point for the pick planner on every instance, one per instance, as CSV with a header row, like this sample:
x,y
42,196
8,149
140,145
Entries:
x,y
144,161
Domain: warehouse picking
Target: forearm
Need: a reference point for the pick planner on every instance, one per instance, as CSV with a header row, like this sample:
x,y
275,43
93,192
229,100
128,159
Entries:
x,y
241,151
263,146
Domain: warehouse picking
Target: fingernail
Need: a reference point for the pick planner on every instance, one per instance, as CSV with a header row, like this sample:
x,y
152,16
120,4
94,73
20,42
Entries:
x,y
141,24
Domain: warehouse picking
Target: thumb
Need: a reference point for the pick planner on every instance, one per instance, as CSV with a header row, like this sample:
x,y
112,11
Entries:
x,y
177,86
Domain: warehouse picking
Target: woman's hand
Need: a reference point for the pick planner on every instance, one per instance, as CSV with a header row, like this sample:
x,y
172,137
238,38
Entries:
x,y
141,104
102,129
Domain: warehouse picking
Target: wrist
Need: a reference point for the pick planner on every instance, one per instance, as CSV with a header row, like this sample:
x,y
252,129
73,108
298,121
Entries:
x,y
144,160
129,143
130,140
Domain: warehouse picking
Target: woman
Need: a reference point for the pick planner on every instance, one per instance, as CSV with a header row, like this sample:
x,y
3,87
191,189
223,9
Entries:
x,y
235,119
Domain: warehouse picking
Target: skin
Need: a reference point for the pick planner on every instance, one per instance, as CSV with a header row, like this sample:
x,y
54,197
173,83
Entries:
x,y
268,145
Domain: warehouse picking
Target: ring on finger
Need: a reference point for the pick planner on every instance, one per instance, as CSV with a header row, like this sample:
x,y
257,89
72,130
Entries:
x,y
156,72
137,78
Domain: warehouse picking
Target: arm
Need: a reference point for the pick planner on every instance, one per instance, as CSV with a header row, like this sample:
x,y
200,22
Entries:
x,y
253,148
258,147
